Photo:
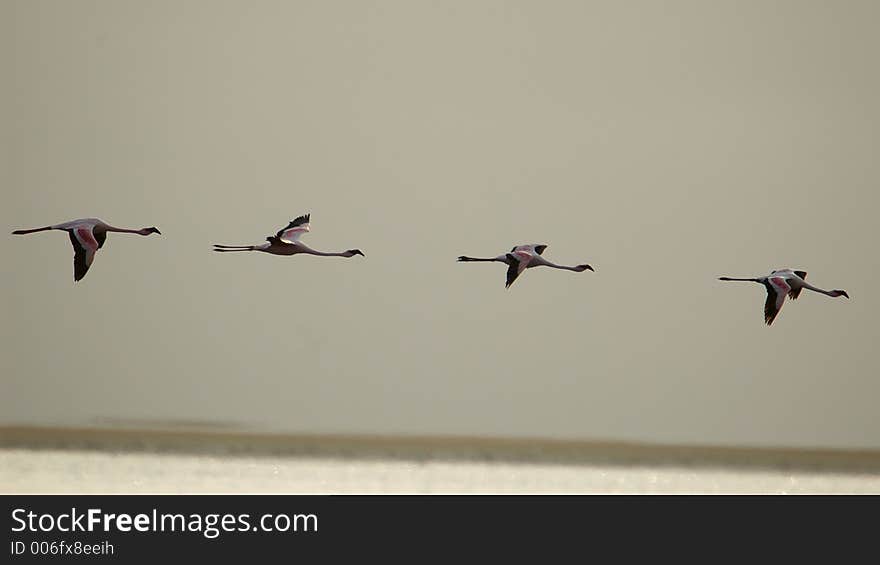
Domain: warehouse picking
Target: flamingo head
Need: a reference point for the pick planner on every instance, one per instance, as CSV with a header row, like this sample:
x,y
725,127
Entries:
x,y
837,293
148,231
353,252
584,267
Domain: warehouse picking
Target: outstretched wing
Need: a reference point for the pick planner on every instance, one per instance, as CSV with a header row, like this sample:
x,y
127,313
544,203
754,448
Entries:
x,y
795,292
84,247
295,229
539,249
777,288
514,268
525,247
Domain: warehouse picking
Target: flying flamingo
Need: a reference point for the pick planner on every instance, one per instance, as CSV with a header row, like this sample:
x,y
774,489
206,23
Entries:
x,y
524,257
87,236
784,282
286,242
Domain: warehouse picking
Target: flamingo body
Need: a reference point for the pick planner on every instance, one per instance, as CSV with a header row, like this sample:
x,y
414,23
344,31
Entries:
x,y
87,236
781,283
287,242
523,257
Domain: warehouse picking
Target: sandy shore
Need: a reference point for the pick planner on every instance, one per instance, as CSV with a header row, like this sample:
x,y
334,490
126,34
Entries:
x,y
41,460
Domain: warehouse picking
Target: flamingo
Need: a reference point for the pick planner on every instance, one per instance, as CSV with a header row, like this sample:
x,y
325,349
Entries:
x,y
524,257
87,236
287,242
784,282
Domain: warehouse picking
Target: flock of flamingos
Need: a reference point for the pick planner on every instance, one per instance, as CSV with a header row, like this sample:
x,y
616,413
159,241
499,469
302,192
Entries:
x,y
89,234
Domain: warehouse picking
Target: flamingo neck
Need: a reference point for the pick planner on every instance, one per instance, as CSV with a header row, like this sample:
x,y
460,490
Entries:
x,y
123,230
831,293
546,263
311,251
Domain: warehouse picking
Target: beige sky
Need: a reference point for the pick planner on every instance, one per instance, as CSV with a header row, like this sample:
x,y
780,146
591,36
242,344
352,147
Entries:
x,y
666,143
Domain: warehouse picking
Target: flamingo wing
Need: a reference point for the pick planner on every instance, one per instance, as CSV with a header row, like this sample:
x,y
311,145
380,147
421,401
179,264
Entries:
x,y
84,247
777,288
295,229
795,292
515,267
529,248
100,237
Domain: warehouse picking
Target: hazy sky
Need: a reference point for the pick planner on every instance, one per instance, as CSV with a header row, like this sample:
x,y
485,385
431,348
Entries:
x,y
665,143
